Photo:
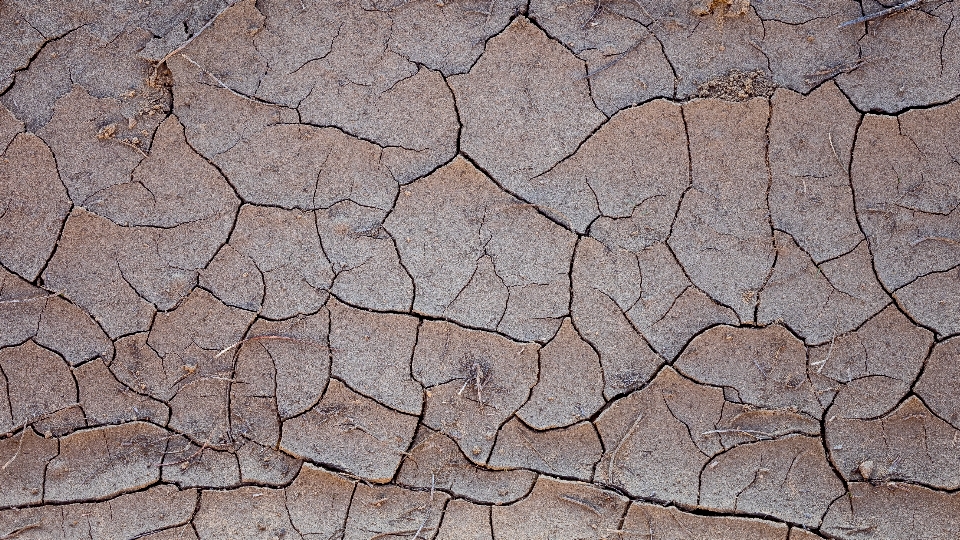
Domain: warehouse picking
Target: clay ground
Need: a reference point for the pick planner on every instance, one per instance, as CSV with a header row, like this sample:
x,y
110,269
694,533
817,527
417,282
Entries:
x,y
478,269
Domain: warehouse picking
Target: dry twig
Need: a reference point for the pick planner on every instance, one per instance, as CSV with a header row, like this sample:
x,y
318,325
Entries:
x,y
266,338
19,448
882,13
23,529
196,34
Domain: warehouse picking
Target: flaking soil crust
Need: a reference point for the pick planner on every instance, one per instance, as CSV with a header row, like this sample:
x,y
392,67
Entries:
x,y
474,269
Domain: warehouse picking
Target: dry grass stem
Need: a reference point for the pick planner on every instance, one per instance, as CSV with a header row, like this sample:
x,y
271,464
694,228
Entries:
x,y
882,13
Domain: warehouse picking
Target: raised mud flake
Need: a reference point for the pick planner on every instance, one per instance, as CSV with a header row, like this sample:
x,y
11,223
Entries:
x,y
24,458
85,268
606,283
93,147
528,88
633,76
561,509
40,390
449,37
908,444
706,39
32,99
435,461
104,64
266,466
917,72
933,300
913,222
299,166
570,452
106,461
391,512
317,502
371,352
447,222
896,512
178,362
294,353
34,206
234,278
236,27
764,367
365,261
215,120
262,514
52,322
184,532
463,520
171,187
289,38
21,305
721,235
120,275
368,90
351,432
24,42
788,478
644,521
820,302
475,381
190,465
661,303
804,45
741,424
286,248
625,61
939,382
871,369
570,387
810,197
135,515
609,177
107,401
72,333
10,126
802,534
658,439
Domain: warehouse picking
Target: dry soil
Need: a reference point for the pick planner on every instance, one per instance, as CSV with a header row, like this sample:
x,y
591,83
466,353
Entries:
x,y
477,269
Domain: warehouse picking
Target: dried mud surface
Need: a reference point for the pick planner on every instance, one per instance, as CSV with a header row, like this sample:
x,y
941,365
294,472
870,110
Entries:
x,y
477,269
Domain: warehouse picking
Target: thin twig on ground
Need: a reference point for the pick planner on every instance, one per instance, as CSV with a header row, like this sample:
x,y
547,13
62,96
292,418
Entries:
x,y
834,148
19,447
196,34
266,338
399,533
612,63
594,15
827,73
219,82
882,13
580,502
31,299
17,532
758,435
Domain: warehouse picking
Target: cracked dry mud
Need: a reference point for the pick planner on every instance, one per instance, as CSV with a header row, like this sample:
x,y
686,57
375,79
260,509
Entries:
x,y
479,269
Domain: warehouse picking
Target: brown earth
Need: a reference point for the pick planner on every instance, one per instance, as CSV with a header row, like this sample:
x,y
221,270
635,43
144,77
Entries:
x,y
478,269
